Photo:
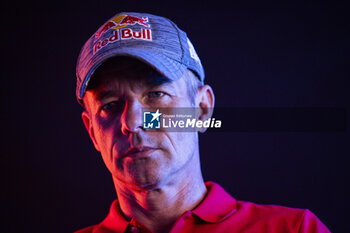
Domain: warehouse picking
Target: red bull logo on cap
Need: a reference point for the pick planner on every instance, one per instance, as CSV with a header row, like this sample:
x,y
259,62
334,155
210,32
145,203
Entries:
x,y
120,33
132,20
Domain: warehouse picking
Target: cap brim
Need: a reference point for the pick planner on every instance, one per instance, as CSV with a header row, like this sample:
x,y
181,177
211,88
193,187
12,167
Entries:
x,y
166,66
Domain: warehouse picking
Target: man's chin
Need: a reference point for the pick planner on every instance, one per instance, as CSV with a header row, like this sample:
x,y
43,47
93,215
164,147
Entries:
x,y
142,185
149,186
148,181
145,173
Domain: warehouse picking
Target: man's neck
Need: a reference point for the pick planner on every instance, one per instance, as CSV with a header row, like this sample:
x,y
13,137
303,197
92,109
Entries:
x,y
159,208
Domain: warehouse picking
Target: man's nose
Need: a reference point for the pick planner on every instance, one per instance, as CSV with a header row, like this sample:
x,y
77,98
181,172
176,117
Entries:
x,y
131,119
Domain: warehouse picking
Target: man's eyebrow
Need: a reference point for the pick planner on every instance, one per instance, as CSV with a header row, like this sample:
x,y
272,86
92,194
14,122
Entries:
x,y
158,80
168,85
104,94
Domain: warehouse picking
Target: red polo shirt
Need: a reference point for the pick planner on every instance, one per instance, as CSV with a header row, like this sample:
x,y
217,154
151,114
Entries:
x,y
219,212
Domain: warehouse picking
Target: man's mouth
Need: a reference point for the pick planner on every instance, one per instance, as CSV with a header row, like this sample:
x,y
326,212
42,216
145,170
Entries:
x,y
142,151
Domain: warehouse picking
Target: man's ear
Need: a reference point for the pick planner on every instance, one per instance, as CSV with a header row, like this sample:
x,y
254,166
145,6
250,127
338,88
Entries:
x,y
205,101
88,125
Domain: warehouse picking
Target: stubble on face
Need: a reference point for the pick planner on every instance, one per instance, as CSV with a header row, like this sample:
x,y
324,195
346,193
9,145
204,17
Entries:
x,y
168,154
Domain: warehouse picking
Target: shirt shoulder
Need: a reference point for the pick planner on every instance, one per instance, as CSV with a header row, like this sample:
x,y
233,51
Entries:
x,y
310,223
114,222
86,230
254,209
281,218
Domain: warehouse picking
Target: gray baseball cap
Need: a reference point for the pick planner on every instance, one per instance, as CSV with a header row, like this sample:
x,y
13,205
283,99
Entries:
x,y
152,39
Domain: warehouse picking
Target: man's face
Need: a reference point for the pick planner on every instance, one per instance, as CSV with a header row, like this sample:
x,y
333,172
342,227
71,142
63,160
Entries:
x,y
134,155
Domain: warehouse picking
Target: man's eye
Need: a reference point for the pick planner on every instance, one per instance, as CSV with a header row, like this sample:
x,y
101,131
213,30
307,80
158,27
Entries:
x,y
112,106
155,94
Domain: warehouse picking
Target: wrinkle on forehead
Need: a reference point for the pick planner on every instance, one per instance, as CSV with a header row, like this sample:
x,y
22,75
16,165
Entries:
x,y
112,86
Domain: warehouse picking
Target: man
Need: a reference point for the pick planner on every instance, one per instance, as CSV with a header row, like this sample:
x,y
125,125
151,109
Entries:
x,y
136,62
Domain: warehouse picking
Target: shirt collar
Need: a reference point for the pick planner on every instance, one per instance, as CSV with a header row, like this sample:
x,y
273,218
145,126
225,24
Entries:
x,y
217,204
114,220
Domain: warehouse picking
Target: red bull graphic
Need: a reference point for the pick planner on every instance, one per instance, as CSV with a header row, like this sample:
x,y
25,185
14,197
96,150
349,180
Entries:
x,y
104,29
132,20
121,21
124,34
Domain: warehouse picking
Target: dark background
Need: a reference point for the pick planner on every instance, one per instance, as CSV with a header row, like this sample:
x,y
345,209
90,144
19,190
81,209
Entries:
x,y
254,55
